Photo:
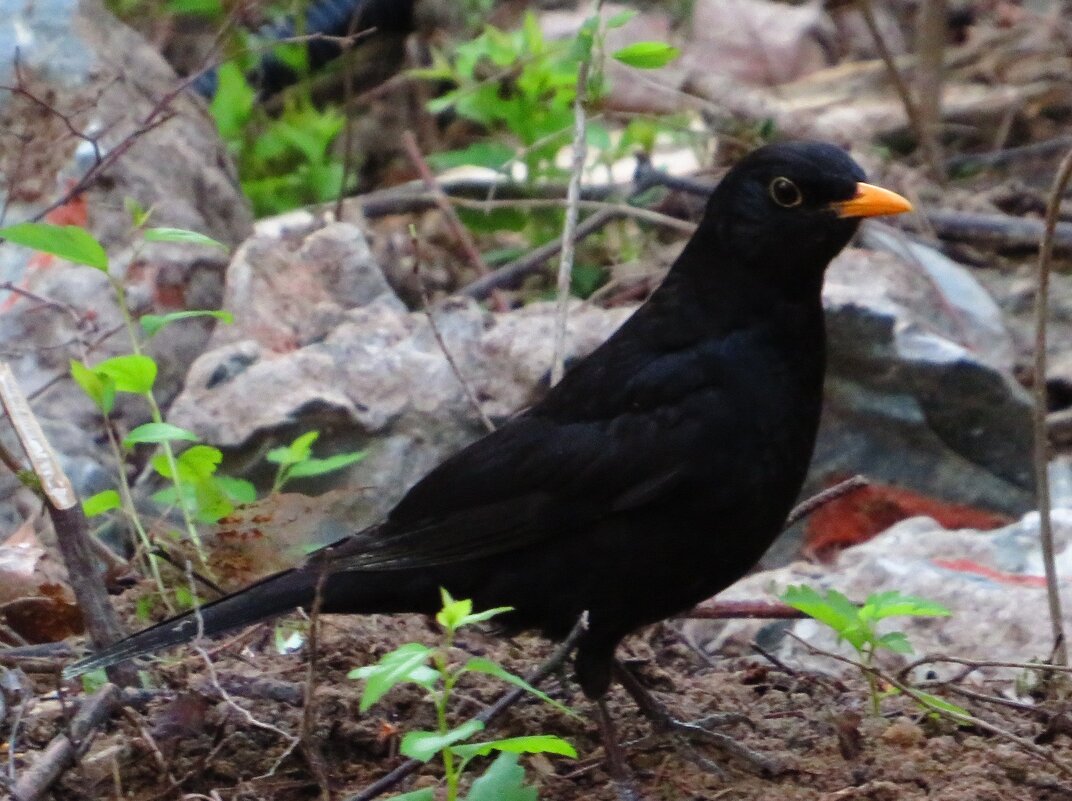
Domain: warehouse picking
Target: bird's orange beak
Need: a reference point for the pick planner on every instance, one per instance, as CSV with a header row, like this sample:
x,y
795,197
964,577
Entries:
x,y
871,201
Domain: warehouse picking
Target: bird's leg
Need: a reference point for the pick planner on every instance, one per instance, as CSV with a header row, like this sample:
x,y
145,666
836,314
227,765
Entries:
x,y
619,774
667,723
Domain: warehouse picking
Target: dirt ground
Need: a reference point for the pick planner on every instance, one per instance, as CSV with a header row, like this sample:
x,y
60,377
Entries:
x,y
188,743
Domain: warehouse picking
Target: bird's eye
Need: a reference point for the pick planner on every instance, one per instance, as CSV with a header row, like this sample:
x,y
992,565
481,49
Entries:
x,y
785,193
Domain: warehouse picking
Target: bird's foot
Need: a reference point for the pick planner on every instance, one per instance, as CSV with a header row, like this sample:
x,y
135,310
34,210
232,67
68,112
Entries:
x,y
685,733
620,777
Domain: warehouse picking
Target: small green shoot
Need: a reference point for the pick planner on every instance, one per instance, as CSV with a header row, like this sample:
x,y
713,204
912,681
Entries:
x,y
296,460
433,670
856,624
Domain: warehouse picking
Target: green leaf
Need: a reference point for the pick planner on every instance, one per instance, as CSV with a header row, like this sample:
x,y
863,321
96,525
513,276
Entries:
x,y
406,663
237,490
139,215
195,8
100,503
833,609
66,241
232,105
647,55
894,604
318,467
297,451
132,373
158,432
99,388
620,19
895,641
181,235
938,704
94,680
486,666
504,780
152,324
532,744
424,794
194,464
490,154
423,745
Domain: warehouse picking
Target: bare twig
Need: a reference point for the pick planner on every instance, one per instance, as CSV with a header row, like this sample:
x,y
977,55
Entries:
x,y
981,663
1041,443
512,273
310,748
915,120
807,507
505,701
460,232
931,32
573,195
426,301
742,610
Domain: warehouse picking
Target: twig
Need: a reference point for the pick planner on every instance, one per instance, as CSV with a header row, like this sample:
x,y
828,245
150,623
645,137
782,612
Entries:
x,y
505,701
1041,443
426,301
573,195
911,110
68,520
981,663
310,748
512,273
62,752
931,32
807,507
292,741
742,610
460,232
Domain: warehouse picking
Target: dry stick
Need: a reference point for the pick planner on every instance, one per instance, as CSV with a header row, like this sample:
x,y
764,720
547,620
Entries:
x,y
513,272
426,301
981,663
956,717
573,195
62,752
69,522
506,700
931,32
409,142
1041,461
810,505
310,748
911,110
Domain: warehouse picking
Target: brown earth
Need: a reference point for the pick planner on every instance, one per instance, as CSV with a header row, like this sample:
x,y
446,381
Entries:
x,y
190,744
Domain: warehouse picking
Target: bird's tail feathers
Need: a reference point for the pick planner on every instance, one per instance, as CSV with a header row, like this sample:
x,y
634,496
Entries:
x,y
274,595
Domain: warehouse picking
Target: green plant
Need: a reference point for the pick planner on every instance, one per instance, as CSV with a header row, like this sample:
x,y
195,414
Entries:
x,y
857,624
296,460
434,671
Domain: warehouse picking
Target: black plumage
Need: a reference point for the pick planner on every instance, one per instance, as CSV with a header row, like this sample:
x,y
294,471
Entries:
x,y
653,476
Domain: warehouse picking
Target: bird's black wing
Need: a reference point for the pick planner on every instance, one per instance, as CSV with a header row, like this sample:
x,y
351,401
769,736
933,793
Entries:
x,y
545,475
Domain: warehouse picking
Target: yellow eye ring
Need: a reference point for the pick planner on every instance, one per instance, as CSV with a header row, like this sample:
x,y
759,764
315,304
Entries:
x,y
785,193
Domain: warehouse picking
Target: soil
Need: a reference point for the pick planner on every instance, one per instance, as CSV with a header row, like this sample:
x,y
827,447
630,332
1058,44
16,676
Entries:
x,y
188,743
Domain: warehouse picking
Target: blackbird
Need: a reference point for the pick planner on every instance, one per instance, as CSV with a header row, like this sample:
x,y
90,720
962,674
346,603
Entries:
x,y
654,475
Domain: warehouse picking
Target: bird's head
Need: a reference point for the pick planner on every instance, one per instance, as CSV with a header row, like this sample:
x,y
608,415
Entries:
x,y
793,207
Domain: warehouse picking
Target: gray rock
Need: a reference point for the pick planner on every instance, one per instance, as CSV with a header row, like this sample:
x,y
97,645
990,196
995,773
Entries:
x,y
107,82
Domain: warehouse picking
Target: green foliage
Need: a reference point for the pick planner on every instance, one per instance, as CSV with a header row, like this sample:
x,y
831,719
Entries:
x,y
101,502
296,460
65,241
285,161
433,671
857,624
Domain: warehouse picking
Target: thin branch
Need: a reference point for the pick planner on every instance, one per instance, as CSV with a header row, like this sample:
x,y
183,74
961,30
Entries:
x,y
573,195
812,504
932,158
427,303
1041,443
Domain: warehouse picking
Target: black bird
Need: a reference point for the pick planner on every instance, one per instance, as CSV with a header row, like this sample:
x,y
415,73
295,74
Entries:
x,y
653,476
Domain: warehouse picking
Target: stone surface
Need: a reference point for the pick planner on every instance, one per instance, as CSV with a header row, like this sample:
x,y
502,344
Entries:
x,y
106,82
